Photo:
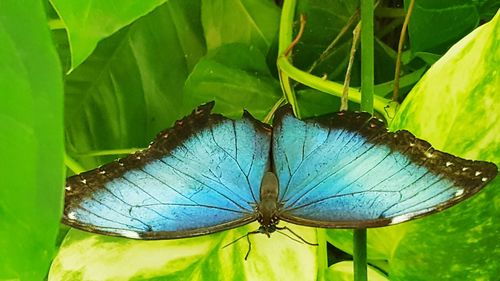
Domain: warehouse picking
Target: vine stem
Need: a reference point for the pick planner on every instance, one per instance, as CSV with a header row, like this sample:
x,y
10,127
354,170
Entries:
x,y
360,255
284,41
367,56
72,164
402,37
288,71
367,89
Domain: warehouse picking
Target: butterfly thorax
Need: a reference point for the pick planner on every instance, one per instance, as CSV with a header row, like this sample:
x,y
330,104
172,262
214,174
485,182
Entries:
x,y
267,208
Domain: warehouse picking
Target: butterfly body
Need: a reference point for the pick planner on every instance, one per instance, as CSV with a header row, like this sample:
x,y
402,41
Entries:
x,y
209,173
268,206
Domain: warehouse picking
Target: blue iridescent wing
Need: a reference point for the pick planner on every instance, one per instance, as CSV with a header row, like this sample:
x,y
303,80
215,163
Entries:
x,y
201,176
347,170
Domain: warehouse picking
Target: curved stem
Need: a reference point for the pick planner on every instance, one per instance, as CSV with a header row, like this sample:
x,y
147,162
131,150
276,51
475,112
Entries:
x,y
402,37
284,45
381,105
72,164
275,107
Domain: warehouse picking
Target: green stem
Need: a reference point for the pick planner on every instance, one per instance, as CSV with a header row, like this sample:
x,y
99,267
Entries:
x,y
367,55
56,24
359,252
286,22
322,253
72,164
367,98
285,39
381,105
270,114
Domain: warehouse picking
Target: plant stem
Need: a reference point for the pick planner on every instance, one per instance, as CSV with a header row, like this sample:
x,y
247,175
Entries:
x,y
72,164
359,252
381,104
275,107
322,253
345,92
402,37
285,40
367,55
367,87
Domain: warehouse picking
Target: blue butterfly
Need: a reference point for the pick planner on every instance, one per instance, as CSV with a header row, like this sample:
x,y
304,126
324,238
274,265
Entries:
x,y
209,173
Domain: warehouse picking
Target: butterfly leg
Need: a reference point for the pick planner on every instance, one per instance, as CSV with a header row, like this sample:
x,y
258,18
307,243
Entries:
x,y
296,235
248,240
250,243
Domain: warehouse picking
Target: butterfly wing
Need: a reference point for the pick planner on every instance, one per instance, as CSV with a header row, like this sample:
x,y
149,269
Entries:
x,y
201,176
347,170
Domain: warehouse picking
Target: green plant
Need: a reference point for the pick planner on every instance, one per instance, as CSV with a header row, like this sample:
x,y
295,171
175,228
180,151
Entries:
x,y
130,71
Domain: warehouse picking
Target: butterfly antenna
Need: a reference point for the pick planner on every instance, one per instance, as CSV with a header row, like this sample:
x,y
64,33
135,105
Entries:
x,y
248,240
294,239
296,235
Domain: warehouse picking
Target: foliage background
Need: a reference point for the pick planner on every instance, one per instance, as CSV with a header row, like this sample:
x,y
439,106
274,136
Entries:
x,y
128,70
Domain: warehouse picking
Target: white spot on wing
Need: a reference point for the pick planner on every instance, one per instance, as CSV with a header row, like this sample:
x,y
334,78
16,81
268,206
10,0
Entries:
x,y
401,218
68,188
84,181
459,192
448,164
128,233
71,216
478,173
484,179
465,169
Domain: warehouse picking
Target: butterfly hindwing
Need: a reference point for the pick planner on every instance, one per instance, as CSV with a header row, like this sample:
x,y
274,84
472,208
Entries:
x,y
347,170
201,176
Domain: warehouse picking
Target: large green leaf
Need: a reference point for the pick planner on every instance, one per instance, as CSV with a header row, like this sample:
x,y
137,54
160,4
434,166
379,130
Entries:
x,y
325,20
31,141
130,88
238,21
88,22
236,77
434,25
456,108
85,256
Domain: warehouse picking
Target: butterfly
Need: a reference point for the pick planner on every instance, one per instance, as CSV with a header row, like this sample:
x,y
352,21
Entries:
x,y
209,173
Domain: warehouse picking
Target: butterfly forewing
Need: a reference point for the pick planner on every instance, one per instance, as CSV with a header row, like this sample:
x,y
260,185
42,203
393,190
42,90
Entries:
x,y
347,170
201,176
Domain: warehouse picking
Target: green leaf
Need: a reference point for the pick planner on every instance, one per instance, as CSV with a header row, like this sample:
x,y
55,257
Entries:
x,y
254,23
487,8
130,88
435,25
85,256
88,22
31,126
325,20
236,76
